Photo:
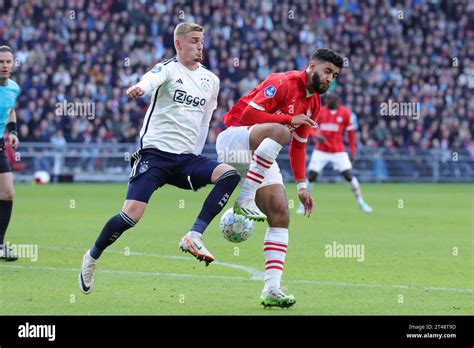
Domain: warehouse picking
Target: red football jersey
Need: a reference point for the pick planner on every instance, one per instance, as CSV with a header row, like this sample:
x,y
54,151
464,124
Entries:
x,y
281,96
281,93
332,125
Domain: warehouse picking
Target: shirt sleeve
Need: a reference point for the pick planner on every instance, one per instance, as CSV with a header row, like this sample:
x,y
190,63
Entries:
x,y
18,91
273,91
349,127
298,145
154,78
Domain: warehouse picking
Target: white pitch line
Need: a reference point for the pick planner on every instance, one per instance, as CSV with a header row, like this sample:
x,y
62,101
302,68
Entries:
x,y
446,289
317,282
255,274
181,275
185,275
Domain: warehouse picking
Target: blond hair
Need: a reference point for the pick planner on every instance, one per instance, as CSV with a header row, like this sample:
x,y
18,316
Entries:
x,y
186,27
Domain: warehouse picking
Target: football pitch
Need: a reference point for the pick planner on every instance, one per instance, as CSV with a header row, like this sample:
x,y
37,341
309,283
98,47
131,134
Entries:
x,y
412,256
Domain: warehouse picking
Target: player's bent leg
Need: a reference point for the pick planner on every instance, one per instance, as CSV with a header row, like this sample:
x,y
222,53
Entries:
x,y
140,189
7,194
220,170
272,200
131,213
267,140
129,216
225,179
347,174
312,176
134,209
275,131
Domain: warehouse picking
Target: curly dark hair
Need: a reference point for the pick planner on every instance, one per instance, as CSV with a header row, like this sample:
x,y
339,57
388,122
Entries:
x,y
328,55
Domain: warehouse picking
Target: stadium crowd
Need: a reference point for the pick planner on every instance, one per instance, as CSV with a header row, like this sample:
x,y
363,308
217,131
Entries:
x,y
396,52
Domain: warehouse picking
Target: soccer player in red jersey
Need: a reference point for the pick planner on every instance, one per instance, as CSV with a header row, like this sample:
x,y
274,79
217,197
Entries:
x,y
283,106
333,121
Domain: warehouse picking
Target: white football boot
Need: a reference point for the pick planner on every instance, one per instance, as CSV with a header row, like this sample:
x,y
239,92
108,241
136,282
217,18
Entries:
x,y
192,243
86,276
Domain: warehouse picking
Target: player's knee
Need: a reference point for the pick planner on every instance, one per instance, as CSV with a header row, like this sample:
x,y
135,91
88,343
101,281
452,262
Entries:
x,y
232,177
225,171
136,215
312,176
134,211
7,195
279,133
279,216
347,175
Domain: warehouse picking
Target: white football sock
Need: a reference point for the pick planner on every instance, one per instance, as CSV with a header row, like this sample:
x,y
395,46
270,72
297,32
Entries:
x,y
262,160
356,190
274,251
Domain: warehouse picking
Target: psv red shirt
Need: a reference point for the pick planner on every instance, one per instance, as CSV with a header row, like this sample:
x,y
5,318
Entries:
x,y
281,96
332,125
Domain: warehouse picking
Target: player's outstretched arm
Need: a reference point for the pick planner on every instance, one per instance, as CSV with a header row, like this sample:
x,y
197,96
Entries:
x,y
300,120
135,92
149,82
298,166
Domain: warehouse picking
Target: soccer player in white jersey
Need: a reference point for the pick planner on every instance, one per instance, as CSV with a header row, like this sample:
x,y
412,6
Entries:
x,y
183,98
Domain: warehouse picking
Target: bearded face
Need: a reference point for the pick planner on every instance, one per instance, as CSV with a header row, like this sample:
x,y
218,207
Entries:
x,y
324,73
319,86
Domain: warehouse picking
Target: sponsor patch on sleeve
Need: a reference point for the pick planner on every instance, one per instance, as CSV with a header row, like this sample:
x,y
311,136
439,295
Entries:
x,y
156,69
269,92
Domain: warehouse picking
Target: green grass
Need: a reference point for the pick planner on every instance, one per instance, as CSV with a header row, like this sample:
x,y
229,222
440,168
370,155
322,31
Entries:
x,y
408,252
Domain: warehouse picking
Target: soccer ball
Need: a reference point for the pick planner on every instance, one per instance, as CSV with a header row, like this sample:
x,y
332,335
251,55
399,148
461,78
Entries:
x,y
41,177
236,228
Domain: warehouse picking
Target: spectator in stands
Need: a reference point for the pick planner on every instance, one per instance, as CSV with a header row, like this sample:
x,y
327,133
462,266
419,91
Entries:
x,y
108,45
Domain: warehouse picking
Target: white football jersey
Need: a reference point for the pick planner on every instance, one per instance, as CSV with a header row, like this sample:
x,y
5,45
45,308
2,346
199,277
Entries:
x,y
182,103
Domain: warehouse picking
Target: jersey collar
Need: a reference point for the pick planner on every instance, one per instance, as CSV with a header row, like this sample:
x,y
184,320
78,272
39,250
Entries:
x,y
6,85
187,69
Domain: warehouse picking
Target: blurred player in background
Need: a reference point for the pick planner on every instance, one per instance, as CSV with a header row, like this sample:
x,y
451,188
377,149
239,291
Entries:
x,y
9,92
184,96
333,120
284,105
